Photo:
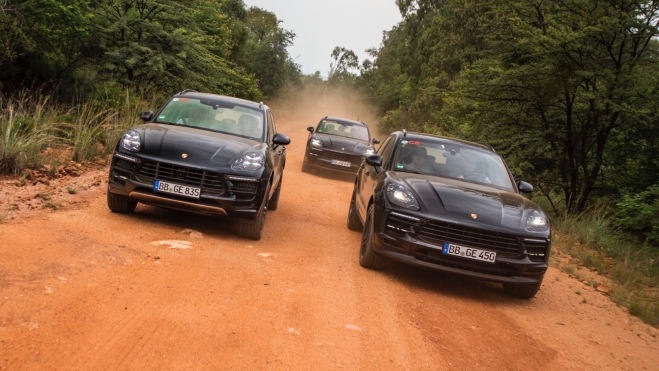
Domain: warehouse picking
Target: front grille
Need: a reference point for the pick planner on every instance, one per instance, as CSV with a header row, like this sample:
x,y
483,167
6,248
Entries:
x,y
209,182
437,232
436,257
399,224
536,249
123,168
243,191
340,156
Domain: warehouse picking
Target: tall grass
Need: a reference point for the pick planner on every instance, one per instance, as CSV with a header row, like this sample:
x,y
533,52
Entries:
x,y
27,126
632,266
31,122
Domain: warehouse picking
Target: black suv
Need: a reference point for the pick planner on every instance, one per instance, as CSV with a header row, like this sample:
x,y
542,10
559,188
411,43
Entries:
x,y
338,144
202,153
449,205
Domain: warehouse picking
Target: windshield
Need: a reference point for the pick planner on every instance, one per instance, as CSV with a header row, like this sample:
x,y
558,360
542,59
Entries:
x,y
451,160
213,115
344,129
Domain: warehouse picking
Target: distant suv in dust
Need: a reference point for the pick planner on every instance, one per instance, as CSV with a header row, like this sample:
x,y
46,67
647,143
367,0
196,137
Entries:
x,y
202,153
338,144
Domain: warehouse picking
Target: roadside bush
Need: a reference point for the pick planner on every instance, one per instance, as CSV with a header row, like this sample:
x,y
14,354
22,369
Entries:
x,y
639,214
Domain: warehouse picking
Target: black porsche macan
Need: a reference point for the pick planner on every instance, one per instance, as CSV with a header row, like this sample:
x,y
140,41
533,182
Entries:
x,y
202,153
338,144
449,205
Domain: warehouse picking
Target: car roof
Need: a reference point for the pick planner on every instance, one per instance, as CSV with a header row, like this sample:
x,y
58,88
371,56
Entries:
x,y
413,135
243,102
332,118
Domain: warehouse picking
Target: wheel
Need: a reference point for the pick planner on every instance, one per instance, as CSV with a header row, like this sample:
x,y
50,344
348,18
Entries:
x,y
274,200
253,229
306,168
354,224
367,257
120,205
521,291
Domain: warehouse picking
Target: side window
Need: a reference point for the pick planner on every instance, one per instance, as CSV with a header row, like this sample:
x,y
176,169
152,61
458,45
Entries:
x,y
271,128
385,150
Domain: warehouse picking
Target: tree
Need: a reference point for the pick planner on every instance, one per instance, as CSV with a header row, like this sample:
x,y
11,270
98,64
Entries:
x,y
344,62
557,82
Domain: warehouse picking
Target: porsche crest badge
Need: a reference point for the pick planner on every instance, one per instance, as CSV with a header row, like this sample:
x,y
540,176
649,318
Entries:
x,y
185,155
474,216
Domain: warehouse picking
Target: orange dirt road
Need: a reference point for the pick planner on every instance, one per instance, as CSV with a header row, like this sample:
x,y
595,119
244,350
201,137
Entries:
x,y
82,288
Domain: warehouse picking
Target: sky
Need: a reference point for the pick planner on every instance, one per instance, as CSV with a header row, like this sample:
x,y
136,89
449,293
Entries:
x,y
321,25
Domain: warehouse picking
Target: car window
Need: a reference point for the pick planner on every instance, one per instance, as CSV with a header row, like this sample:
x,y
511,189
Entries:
x,y
215,115
451,160
343,128
385,150
271,127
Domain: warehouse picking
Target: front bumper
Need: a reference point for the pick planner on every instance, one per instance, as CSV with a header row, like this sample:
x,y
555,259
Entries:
x,y
410,244
133,178
321,159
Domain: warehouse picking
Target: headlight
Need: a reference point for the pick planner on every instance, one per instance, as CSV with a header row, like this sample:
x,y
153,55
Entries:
x,y
536,222
368,151
402,196
249,162
315,142
131,141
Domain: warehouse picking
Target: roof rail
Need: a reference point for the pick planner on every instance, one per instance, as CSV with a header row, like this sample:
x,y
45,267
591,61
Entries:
x,y
488,146
186,91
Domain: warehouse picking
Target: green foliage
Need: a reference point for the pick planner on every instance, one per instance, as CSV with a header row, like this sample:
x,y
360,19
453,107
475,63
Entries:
x,y
152,45
270,62
639,213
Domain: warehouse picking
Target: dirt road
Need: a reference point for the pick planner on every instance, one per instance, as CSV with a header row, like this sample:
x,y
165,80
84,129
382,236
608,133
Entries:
x,y
82,288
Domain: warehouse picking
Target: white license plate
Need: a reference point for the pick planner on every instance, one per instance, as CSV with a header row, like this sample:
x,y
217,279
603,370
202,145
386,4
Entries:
x,y
340,163
176,189
469,252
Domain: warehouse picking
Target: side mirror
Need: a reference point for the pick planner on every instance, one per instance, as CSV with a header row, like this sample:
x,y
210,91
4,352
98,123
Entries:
x,y
376,141
310,129
281,139
374,160
146,115
524,187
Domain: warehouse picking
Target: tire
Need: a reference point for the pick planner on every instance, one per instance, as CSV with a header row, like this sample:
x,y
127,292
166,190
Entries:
x,y
253,229
120,205
521,291
274,200
306,168
354,224
368,258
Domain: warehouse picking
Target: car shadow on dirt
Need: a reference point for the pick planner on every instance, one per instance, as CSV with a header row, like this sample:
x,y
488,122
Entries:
x,y
211,226
451,285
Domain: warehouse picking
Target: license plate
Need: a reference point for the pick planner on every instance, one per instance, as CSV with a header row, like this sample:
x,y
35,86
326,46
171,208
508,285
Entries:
x,y
176,189
469,252
340,163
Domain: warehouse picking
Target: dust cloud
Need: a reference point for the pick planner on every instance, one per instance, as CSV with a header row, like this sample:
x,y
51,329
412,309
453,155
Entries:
x,y
310,104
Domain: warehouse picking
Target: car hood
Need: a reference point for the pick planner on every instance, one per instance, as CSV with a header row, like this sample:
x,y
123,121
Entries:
x,y
338,143
461,201
202,148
